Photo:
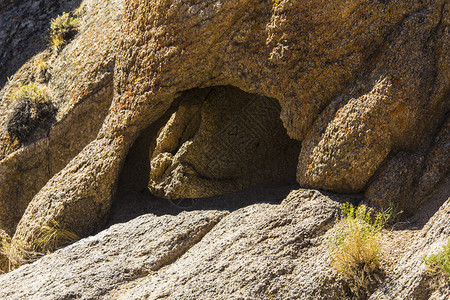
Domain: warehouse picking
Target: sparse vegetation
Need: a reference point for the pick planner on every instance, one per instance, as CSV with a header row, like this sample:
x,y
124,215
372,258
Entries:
x,y
440,262
14,253
30,91
42,67
41,64
62,28
30,112
53,236
80,10
356,245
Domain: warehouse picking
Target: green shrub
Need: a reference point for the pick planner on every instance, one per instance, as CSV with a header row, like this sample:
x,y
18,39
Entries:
x,y
30,91
31,111
63,28
440,261
355,245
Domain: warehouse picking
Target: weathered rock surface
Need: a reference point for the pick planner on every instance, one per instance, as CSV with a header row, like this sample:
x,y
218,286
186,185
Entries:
x,y
79,84
260,251
407,178
394,105
362,85
411,279
120,254
354,95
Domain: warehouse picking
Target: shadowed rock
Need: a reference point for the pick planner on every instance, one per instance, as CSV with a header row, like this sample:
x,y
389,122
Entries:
x,y
221,140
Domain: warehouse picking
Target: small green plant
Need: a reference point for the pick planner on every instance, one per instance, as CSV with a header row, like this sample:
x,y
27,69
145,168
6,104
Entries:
x,y
31,112
30,91
440,261
62,28
355,245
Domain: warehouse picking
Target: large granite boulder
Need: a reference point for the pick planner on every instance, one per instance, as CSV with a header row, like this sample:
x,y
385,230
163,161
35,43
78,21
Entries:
x,y
77,81
358,83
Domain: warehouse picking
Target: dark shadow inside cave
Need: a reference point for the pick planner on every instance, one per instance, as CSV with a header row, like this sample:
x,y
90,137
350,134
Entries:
x,y
215,148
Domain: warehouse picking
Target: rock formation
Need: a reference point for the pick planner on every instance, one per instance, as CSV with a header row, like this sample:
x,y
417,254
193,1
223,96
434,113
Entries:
x,y
199,254
261,251
226,142
183,98
78,81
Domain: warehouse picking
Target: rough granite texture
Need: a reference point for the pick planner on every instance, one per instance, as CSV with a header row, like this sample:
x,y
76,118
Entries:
x,y
355,81
261,251
122,253
407,178
78,82
363,86
411,280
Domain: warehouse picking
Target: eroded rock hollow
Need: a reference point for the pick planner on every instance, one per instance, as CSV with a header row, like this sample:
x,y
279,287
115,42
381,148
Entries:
x,y
217,140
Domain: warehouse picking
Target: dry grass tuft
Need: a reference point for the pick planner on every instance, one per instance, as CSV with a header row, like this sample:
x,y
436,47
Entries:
x,y
14,253
53,236
355,247
41,64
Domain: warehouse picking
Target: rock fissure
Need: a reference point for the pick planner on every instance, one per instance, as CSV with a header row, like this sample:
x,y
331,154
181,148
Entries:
x,y
191,239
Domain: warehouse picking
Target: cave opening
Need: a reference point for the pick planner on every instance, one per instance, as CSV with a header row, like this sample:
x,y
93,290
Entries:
x,y
215,146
